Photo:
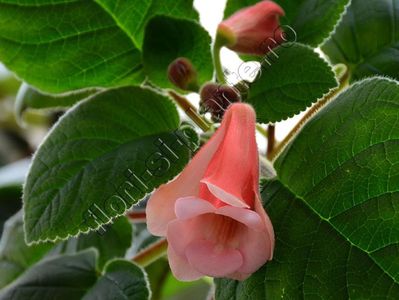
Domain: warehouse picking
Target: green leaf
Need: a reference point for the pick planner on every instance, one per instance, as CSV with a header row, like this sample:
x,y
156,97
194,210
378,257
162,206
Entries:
x,y
313,21
62,278
103,156
288,85
111,242
64,45
336,220
75,277
312,259
367,39
15,255
134,15
121,280
168,38
29,97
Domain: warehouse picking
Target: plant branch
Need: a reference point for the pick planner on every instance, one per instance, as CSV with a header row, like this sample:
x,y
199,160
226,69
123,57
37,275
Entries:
x,y
190,110
271,140
217,62
151,253
137,216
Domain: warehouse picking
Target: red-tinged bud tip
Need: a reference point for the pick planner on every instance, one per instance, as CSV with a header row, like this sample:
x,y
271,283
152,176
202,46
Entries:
x,y
216,98
253,30
182,74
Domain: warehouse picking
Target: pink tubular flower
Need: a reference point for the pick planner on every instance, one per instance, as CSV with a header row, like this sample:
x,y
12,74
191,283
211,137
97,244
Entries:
x,y
211,213
253,30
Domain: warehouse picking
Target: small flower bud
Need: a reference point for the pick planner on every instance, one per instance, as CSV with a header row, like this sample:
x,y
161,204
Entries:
x,y
252,30
216,98
182,74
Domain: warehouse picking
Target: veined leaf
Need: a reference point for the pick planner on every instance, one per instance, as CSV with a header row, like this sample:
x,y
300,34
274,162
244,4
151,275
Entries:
x,y
134,15
367,39
335,210
66,45
292,77
102,157
76,277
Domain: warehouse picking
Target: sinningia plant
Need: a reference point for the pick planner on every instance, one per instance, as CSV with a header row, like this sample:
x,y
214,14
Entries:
x,y
134,172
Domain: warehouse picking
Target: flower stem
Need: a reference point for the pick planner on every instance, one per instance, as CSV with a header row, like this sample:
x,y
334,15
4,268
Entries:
x,y
151,253
137,216
271,140
261,130
343,82
190,110
217,62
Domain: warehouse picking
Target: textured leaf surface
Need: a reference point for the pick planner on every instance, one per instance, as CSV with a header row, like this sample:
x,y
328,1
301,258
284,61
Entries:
x,y
16,257
291,79
367,39
133,15
62,278
75,277
312,21
103,156
167,39
343,168
64,45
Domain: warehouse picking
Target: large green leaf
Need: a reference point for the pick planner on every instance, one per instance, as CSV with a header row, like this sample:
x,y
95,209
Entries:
x,y
312,21
76,277
16,256
104,155
288,85
312,259
133,15
367,39
168,38
336,219
64,45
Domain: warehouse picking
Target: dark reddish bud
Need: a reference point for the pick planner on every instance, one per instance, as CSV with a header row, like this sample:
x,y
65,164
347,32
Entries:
x,y
182,74
216,98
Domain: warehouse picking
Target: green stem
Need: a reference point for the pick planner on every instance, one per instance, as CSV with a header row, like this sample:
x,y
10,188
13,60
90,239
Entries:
x,y
217,62
151,253
190,110
261,130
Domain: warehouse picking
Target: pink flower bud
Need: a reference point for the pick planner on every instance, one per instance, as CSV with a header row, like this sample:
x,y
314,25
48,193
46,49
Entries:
x,y
211,214
182,74
253,30
216,98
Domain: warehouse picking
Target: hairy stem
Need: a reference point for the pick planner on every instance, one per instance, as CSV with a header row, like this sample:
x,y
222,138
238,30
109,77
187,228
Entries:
x,y
190,110
271,140
137,216
217,62
151,253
